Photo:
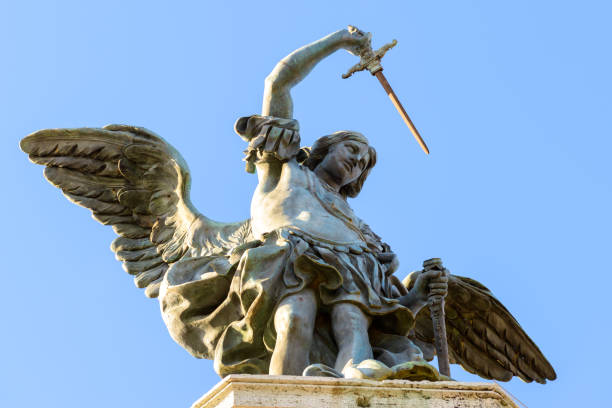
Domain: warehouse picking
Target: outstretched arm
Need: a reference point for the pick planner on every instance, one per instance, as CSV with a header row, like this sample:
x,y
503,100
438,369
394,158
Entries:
x,y
295,66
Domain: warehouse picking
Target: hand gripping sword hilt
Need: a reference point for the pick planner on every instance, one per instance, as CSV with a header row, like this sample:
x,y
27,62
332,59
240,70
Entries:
x,y
370,60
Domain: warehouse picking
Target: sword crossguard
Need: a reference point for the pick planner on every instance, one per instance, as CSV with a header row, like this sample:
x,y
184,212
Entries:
x,y
370,60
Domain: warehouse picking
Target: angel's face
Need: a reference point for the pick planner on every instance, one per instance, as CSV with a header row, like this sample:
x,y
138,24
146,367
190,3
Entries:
x,y
346,160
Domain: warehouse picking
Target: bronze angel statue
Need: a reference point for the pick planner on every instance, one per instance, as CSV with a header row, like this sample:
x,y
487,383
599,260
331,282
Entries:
x,y
302,287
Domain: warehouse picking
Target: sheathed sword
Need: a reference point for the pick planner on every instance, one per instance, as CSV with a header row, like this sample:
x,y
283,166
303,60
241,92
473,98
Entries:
x,y
370,60
438,319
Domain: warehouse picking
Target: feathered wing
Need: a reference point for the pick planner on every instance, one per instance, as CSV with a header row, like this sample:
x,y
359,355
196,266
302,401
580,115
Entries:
x,y
483,337
133,180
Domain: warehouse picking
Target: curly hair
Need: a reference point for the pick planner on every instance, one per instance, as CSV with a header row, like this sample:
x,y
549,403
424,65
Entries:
x,y
312,157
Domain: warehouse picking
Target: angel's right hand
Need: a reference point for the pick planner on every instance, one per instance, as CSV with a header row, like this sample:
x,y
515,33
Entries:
x,y
356,41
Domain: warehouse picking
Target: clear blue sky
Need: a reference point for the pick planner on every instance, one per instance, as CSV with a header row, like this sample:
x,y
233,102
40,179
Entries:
x,y
513,98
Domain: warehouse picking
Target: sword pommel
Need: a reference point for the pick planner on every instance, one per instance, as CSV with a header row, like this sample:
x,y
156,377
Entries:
x,y
370,59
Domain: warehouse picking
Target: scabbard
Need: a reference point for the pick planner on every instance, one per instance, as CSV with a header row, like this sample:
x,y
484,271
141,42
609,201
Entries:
x,y
436,307
438,319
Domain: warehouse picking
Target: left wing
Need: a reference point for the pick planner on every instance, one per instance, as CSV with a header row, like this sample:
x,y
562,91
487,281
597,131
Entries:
x,y
483,337
135,181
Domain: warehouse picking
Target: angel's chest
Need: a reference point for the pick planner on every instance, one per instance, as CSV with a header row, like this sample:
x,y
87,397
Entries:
x,y
335,204
301,202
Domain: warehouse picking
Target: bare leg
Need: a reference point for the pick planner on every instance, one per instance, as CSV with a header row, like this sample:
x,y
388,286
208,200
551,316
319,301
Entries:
x,y
294,324
350,326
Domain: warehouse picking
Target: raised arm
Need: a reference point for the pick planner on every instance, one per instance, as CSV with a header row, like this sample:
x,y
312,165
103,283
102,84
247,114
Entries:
x,y
274,136
295,66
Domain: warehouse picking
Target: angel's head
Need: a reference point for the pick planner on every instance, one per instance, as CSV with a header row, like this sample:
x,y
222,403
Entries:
x,y
344,156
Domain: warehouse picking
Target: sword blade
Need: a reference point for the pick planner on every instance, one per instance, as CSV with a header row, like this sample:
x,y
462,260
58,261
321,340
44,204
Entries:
x,y
401,110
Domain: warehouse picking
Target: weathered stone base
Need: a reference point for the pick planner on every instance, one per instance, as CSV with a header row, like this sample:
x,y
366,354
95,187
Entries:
x,y
318,392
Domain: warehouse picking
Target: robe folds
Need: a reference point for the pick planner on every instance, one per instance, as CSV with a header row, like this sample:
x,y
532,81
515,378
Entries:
x,y
223,310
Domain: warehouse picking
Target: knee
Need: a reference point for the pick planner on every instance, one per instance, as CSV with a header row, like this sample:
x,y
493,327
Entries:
x,y
295,319
299,324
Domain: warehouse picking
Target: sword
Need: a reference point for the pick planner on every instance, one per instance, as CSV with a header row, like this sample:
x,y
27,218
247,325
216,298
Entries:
x,y
436,307
370,60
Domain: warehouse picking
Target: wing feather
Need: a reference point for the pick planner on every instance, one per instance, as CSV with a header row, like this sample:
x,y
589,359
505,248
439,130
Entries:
x,y
150,275
133,180
136,255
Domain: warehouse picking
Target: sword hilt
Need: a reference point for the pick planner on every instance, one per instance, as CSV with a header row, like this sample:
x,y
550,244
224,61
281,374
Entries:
x,y
370,59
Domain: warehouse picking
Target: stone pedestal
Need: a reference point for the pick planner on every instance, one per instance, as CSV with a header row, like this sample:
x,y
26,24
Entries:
x,y
319,392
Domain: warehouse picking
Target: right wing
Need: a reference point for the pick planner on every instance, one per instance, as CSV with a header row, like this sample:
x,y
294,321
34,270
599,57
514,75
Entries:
x,y
132,179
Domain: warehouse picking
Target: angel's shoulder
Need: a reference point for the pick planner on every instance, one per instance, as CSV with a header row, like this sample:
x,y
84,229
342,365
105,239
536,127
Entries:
x,y
294,173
